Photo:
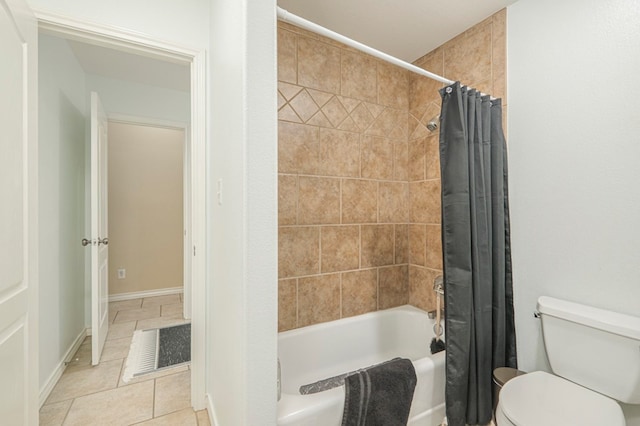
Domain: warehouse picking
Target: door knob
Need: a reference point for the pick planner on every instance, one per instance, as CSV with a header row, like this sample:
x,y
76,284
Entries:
x,y
104,241
85,242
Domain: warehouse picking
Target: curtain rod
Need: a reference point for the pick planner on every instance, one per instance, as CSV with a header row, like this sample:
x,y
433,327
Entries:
x,y
286,16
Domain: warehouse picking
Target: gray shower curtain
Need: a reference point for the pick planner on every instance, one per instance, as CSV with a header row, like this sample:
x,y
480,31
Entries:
x,y
479,320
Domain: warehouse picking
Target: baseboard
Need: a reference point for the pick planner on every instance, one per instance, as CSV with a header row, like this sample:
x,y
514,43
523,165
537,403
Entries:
x,y
57,372
148,293
211,411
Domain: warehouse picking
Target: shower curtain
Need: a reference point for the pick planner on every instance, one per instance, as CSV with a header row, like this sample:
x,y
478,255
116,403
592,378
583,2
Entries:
x,y
479,319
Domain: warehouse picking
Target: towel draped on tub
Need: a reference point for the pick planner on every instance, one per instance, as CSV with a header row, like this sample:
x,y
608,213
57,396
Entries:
x,y
380,395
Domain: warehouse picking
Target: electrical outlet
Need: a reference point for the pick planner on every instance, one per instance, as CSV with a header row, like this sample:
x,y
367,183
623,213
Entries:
x,y
122,274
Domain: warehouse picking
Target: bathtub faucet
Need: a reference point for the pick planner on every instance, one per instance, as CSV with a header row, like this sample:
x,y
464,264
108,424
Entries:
x,y
438,285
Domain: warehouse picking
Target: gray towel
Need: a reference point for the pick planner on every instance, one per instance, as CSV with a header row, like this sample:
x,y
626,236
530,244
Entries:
x,y
380,395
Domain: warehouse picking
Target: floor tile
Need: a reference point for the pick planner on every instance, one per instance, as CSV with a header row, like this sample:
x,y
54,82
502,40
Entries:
x,y
161,300
81,359
185,417
137,314
159,323
54,414
121,406
120,330
173,393
125,304
173,310
115,349
90,380
203,418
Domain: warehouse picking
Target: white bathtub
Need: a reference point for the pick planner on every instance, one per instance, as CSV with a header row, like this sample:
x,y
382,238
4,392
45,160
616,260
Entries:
x,y
325,350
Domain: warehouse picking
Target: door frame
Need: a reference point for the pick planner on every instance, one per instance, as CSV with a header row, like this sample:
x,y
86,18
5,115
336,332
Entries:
x,y
132,42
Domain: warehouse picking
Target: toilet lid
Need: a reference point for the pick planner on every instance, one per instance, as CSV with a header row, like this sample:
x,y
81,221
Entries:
x,y
541,398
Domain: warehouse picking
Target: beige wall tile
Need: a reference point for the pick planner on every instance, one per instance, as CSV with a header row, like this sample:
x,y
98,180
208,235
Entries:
x,y
432,157
340,248
424,91
358,76
421,292
417,159
417,244
359,201
335,111
377,245
359,292
125,405
287,304
304,105
467,58
393,203
339,153
393,86
393,286
318,299
401,243
318,200
287,62
318,65
298,148
377,157
425,201
298,251
401,160
287,199
434,247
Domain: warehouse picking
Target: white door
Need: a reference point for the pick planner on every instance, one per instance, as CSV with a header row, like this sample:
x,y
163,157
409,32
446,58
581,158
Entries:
x,y
99,230
18,215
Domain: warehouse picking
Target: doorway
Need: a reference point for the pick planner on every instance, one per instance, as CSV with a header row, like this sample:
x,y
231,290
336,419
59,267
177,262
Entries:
x,y
194,162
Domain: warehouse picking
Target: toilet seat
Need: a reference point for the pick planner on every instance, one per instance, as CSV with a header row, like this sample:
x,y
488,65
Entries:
x,y
541,398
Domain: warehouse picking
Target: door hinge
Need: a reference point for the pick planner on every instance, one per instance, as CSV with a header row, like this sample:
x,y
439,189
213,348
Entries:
x,y
194,250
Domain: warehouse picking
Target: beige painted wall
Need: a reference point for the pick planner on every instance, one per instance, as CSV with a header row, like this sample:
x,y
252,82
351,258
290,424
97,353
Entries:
x,y
145,207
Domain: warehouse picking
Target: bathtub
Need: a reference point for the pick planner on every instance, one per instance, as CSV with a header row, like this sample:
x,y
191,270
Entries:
x,y
325,350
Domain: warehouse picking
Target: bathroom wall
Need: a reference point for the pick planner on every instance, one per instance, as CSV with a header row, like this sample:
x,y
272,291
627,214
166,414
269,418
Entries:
x,y
359,176
343,203
145,207
477,58
573,126
61,170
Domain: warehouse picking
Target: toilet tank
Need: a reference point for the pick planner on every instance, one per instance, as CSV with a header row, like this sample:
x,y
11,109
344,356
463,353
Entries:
x,y
593,347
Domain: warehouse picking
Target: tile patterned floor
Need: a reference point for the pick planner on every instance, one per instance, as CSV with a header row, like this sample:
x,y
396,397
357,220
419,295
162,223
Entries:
x,y
87,395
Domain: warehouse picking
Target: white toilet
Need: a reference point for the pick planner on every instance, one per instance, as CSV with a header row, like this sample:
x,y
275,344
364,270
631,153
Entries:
x,y
595,358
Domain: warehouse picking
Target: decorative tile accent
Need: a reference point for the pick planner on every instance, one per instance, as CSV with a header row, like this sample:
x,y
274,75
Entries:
x,y
304,105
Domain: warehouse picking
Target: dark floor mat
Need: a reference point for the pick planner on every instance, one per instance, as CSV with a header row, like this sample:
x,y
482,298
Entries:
x,y
174,345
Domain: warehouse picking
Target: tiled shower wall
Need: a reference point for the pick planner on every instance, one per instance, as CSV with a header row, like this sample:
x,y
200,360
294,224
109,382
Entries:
x,y
476,58
359,187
